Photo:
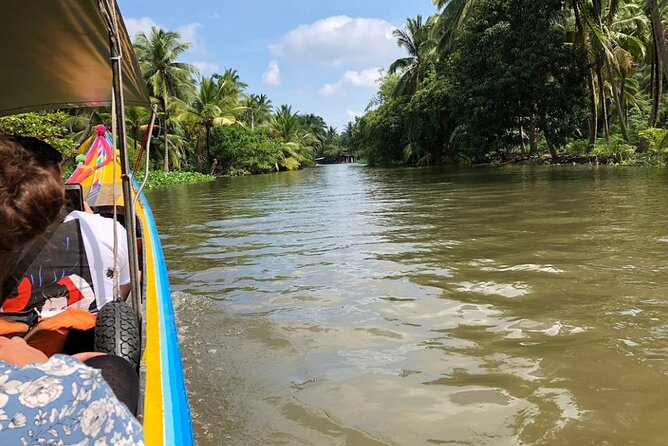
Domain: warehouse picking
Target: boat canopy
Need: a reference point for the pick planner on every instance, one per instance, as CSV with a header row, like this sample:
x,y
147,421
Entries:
x,y
56,54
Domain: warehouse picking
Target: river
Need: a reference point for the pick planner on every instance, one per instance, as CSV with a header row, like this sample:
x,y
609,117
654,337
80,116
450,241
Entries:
x,y
345,305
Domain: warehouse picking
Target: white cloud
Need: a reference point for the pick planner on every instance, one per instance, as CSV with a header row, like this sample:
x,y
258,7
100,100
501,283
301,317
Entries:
x,y
136,26
340,41
331,89
206,68
272,75
189,34
364,78
353,114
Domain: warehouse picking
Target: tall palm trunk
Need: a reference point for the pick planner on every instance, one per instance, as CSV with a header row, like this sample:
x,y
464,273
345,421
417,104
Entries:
x,y
660,60
659,36
615,96
533,137
86,130
604,105
593,111
165,163
611,73
548,140
208,147
657,87
622,99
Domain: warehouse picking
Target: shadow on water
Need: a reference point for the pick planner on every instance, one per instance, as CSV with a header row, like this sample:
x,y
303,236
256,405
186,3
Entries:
x,y
348,305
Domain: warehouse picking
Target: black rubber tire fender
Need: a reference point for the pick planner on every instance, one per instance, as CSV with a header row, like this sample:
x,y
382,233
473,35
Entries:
x,y
117,332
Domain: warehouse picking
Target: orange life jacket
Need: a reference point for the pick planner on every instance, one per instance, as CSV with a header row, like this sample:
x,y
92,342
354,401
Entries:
x,y
47,280
50,334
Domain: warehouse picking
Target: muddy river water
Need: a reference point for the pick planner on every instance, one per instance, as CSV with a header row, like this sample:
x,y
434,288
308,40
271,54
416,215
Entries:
x,y
345,305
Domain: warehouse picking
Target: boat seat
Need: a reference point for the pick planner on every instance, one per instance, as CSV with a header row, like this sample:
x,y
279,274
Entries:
x,y
49,293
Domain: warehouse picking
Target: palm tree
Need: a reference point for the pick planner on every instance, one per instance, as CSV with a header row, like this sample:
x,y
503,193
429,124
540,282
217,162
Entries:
x,y
330,145
166,77
660,60
210,107
450,21
230,82
582,37
258,109
136,118
416,39
82,120
600,27
296,142
284,124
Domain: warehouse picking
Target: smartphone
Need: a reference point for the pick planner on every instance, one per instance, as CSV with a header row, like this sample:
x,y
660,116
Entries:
x,y
74,197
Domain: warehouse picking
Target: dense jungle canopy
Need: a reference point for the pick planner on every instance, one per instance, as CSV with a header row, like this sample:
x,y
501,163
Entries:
x,y
517,79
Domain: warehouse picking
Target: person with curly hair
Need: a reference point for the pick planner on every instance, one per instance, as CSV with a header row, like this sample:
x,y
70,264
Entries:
x,y
57,400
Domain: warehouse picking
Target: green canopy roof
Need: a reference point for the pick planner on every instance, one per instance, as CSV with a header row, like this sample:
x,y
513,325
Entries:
x,y
55,54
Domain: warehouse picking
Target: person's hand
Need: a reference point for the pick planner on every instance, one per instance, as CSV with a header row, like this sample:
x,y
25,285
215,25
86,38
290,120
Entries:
x,y
85,356
87,208
16,351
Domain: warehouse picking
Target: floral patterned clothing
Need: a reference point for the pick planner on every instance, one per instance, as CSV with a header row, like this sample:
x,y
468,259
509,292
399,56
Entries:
x,y
62,402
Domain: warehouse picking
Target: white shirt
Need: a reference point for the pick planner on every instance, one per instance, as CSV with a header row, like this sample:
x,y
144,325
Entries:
x,y
98,238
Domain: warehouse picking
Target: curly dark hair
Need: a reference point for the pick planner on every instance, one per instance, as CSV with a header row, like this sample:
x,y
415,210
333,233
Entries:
x,y
31,199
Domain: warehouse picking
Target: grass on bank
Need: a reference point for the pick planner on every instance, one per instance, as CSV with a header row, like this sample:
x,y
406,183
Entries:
x,y
158,178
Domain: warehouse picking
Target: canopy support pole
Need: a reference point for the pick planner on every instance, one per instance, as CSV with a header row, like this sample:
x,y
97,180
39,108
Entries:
x,y
130,218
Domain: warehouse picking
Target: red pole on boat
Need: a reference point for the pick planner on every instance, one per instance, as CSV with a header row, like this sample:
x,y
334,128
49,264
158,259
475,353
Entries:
x,y
144,143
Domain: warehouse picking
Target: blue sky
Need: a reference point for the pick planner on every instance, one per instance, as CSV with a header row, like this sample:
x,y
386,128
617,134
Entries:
x,y
319,56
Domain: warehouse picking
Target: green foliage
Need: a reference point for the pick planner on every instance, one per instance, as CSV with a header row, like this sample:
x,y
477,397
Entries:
x,y
242,150
416,38
578,147
470,144
384,133
511,63
428,115
50,127
615,149
494,77
657,140
158,178
258,110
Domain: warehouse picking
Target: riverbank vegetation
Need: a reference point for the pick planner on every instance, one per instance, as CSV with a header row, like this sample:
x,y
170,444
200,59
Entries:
x,y
512,80
207,125
483,81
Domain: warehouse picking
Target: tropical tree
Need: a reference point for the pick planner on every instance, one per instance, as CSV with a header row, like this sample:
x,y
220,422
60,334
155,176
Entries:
x,y
512,69
296,142
81,121
136,120
612,54
230,83
415,37
450,21
284,123
660,60
258,110
331,144
167,78
210,107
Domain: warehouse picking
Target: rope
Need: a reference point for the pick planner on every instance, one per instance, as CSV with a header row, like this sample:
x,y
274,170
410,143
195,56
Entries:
x,y
154,116
111,18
